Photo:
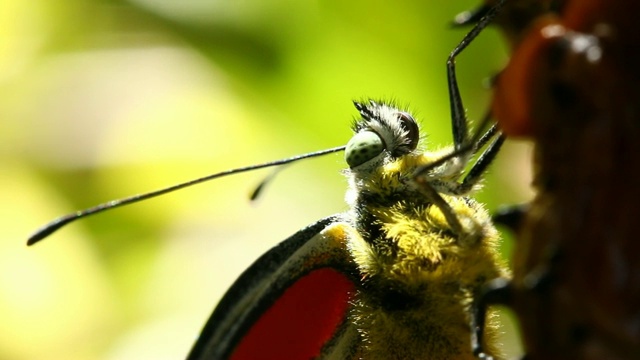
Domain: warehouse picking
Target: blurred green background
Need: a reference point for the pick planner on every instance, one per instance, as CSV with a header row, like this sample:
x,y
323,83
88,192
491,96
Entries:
x,y
100,99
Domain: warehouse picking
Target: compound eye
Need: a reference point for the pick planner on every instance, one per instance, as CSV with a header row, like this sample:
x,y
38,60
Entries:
x,y
409,125
363,147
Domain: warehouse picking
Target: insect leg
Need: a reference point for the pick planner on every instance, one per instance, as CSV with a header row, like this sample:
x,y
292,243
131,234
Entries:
x,y
479,168
458,117
431,189
463,145
497,291
437,200
471,17
511,216
484,139
479,140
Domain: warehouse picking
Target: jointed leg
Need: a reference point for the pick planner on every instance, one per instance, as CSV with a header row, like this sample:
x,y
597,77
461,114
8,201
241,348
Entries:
x,y
475,173
498,291
458,118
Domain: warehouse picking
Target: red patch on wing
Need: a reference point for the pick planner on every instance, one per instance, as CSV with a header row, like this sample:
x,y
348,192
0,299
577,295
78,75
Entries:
x,y
301,321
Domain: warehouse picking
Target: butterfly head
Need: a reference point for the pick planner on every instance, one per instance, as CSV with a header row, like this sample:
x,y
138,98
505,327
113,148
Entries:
x,y
382,132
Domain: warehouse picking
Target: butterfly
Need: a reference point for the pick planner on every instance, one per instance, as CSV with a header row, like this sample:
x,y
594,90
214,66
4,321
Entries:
x,y
396,275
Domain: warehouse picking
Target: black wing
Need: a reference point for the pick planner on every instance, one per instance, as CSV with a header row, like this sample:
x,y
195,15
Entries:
x,y
263,283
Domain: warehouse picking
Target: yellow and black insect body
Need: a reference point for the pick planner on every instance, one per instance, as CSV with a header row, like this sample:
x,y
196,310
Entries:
x,y
418,276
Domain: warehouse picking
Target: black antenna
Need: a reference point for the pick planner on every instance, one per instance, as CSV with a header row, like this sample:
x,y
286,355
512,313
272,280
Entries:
x,y
56,224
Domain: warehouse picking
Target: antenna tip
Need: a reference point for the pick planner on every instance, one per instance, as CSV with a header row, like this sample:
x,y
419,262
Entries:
x,y
48,229
35,238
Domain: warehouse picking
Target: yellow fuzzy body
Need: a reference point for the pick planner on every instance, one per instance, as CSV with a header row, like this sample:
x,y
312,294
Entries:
x,y
418,278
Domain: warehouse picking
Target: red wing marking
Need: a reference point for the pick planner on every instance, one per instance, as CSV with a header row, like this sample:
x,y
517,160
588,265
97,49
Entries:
x,y
301,321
